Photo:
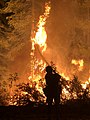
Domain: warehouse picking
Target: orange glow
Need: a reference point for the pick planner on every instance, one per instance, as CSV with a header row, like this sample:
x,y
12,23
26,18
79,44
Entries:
x,y
36,75
39,38
84,86
65,94
89,79
80,64
66,77
41,35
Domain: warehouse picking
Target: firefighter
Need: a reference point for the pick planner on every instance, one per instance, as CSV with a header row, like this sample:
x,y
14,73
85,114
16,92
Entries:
x,y
53,87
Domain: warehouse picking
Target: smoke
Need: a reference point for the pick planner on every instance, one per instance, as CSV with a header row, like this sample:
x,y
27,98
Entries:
x,y
68,36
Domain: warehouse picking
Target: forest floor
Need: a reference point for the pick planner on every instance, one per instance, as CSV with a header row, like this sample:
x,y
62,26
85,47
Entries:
x,y
67,112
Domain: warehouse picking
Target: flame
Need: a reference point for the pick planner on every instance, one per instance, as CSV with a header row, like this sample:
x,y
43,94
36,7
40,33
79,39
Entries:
x,y
41,35
39,38
65,94
80,64
85,85
64,76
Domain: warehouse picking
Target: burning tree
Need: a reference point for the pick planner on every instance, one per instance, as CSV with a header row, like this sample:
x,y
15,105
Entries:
x,y
38,39
33,89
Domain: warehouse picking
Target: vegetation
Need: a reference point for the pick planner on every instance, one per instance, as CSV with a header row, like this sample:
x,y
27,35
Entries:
x,y
15,29
27,93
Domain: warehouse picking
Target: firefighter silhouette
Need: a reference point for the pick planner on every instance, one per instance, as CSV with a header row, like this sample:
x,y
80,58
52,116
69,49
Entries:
x,y
53,87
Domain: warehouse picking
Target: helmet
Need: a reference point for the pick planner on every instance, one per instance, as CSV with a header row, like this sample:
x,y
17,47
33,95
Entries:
x,y
49,69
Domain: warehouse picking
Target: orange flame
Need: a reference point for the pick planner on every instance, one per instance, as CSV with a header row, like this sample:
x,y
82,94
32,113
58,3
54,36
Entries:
x,y
84,86
66,77
41,35
80,64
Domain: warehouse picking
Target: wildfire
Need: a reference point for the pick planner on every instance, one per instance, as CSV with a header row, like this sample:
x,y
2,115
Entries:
x,y
66,77
41,35
89,79
39,38
85,85
66,94
80,64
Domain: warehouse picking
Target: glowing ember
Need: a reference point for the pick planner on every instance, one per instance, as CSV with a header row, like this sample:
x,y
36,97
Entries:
x,y
80,64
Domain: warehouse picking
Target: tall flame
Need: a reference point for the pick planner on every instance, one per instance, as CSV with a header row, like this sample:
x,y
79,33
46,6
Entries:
x,y
41,35
39,38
